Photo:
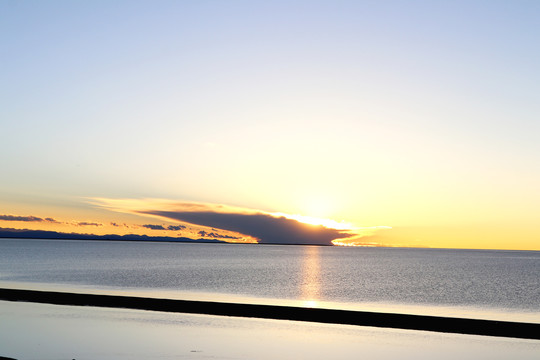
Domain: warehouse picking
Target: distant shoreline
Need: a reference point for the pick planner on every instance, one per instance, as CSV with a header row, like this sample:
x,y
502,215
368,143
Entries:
x,y
330,316
10,233
54,235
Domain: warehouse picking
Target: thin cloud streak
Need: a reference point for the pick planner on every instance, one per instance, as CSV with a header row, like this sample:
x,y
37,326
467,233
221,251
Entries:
x,y
175,227
161,227
153,227
26,218
85,223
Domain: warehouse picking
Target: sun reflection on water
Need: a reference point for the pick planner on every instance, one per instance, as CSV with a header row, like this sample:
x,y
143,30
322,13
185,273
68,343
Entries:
x,y
311,273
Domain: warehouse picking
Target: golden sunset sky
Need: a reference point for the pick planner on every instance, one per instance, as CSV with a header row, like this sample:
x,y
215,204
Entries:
x,y
406,123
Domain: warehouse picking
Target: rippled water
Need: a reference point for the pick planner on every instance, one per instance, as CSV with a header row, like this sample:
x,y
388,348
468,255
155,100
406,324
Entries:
x,y
507,280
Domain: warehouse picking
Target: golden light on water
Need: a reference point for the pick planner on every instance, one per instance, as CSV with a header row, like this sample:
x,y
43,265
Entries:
x,y
311,276
341,243
353,243
310,303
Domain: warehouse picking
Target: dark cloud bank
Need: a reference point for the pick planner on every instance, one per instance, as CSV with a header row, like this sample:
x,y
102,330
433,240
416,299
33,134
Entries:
x,y
265,227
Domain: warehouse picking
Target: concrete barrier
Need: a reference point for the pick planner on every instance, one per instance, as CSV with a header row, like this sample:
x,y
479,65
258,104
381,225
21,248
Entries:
x,y
330,316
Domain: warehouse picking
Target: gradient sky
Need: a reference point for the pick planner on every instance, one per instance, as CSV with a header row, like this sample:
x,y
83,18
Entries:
x,y
419,118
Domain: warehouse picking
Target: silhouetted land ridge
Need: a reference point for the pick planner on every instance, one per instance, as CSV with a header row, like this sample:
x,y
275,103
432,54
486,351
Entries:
x,y
54,235
332,316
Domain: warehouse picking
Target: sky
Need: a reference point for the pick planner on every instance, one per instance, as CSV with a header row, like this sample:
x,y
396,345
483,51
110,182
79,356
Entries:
x,y
382,123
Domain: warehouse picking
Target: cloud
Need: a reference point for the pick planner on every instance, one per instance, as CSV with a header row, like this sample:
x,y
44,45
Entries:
x,y
84,223
161,227
25,218
136,206
52,220
175,227
153,227
216,235
268,229
124,225
265,227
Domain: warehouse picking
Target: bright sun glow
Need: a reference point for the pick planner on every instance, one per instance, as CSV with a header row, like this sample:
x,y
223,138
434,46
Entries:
x,y
318,207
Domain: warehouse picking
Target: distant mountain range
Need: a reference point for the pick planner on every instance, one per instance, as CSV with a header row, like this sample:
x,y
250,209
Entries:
x,y
54,235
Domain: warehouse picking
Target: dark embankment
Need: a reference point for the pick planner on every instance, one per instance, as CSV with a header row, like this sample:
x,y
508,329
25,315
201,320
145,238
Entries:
x,y
347,317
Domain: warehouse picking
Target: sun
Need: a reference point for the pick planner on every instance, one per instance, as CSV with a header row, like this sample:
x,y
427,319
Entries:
x,y
311,220
320,207
317,212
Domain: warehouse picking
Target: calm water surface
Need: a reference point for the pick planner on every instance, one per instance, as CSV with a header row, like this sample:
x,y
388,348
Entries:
x,y
99,333
503,281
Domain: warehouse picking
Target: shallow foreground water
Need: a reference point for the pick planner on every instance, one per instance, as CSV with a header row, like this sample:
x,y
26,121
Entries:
x,y
38,331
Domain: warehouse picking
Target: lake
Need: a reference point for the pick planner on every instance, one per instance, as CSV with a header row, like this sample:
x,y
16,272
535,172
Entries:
x,y
501,285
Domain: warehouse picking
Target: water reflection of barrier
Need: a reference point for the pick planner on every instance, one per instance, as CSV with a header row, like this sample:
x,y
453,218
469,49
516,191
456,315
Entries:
x,y
332,316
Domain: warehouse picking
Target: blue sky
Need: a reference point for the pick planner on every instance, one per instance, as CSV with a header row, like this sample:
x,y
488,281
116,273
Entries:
x,y
415,114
